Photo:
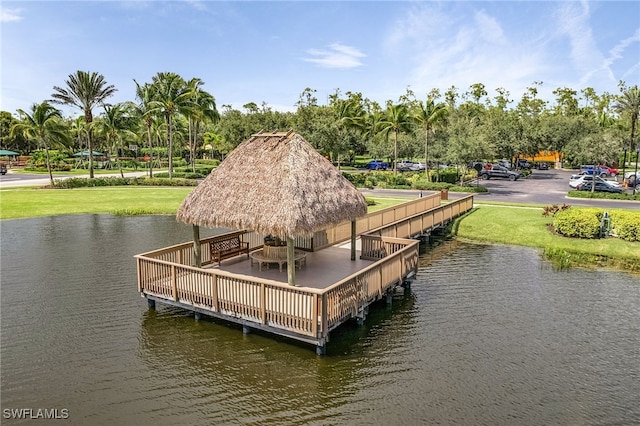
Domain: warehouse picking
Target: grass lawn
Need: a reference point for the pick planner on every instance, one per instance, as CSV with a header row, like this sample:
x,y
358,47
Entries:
x,y
526,226
32,202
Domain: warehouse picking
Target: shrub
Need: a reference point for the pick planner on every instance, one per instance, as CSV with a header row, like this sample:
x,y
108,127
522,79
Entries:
x,y
208,161
626,225
468,188
553,209
578,223
118,181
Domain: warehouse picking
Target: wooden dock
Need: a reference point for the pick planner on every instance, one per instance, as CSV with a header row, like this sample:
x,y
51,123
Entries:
x,y
330,289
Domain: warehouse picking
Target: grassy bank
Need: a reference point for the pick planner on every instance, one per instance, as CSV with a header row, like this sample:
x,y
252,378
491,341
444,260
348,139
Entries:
x,y
526,226
16,203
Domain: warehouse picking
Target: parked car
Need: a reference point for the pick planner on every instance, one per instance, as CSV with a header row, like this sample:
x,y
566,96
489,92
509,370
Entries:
x,y
497,171
600,186
3,169
505,163
416,167
376,165
632,178
523,164
602,171
576,180
609,170
542,166
404,165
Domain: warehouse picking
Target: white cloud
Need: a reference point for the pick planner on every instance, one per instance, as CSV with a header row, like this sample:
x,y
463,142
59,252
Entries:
x,y
616,53
338,56
489,28
448,47
10,15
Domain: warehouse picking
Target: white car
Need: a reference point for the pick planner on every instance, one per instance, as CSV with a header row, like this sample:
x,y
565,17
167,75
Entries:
x,y
576,180
416,167
631,178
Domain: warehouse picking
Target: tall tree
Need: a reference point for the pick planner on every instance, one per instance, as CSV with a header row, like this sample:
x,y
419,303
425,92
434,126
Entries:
x,y
204,109
114,125
429,115
143,111
628,104
45,125
85,91
171,96
396,120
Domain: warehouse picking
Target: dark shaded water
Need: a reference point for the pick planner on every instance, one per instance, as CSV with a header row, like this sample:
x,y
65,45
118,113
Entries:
x,y
488,335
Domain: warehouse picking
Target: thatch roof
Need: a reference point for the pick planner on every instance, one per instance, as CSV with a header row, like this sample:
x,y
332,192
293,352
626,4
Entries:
x,y
274,183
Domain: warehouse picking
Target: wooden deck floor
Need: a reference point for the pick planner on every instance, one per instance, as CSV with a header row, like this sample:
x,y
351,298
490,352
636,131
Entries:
x,y
323,268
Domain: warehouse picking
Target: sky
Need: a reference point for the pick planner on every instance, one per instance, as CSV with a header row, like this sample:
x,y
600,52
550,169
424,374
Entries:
x,y
271,51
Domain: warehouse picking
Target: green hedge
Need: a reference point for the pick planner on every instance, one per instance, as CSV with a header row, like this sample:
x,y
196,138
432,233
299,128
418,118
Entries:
x,y
407,180
578,223
604,195
585,223
118,181
626,225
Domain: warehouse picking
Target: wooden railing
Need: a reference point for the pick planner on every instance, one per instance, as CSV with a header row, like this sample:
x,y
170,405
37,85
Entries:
x,y
429,219
347,297
170,274
306,311
342,232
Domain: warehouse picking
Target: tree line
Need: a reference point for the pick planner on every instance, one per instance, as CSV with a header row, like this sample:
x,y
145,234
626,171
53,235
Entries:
x,y
171,115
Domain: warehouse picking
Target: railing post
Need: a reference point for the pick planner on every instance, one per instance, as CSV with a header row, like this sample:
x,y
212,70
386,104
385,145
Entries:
x,y
263,303
216,305
314,316
174,283
139,266
324,317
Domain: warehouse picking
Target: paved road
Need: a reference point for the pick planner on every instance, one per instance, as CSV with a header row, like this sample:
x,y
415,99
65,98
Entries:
x,y
541,187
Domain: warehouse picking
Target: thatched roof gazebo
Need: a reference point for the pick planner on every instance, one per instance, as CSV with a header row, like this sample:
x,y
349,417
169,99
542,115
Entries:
x,y
278,184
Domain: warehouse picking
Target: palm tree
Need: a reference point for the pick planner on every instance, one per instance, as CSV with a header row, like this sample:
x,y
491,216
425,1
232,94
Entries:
x,y
203,109
84,90
114,124
629,103
429,115
349,115
396,120
45,125
143,112
171,95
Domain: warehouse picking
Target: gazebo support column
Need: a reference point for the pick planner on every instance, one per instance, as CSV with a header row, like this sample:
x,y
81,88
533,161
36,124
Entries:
x,y
197,252
291,264
353,240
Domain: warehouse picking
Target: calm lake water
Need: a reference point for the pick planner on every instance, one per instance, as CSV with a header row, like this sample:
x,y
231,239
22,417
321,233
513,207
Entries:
x,y
487,335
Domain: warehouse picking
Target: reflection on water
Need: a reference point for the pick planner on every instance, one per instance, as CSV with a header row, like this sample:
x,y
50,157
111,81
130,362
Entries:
x,y
487,335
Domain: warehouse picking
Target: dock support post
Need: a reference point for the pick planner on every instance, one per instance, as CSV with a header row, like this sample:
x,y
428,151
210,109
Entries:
x,y
246,329
353,240
362,315
197,249
197,316
151,303
389,298
321,349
